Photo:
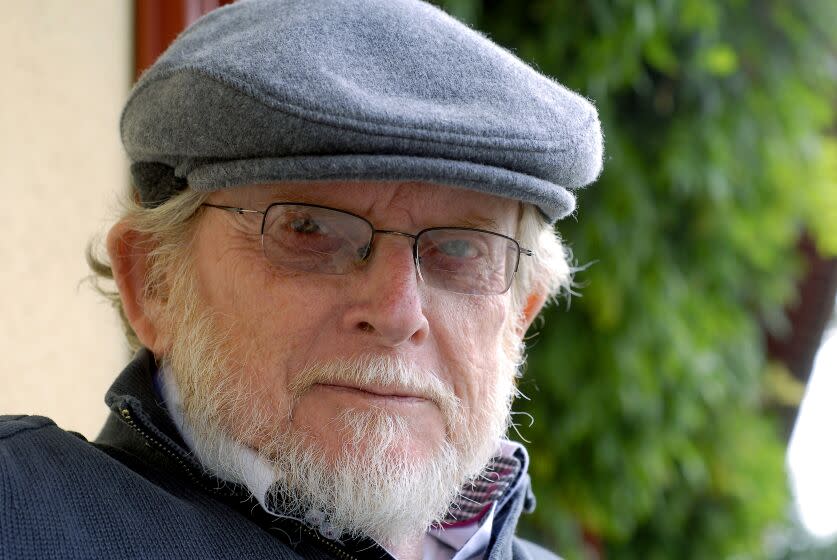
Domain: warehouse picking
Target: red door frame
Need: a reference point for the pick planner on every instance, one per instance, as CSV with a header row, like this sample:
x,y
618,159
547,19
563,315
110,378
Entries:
x,y
158,22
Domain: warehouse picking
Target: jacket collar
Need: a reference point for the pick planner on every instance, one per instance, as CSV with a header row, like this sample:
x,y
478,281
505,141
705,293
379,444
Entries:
x,y
132,397
137,408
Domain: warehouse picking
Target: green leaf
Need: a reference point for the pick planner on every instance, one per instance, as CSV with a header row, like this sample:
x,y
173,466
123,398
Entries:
x,y
719,60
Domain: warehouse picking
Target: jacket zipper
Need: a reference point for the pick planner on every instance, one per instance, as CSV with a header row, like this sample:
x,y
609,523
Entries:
x,y
126,416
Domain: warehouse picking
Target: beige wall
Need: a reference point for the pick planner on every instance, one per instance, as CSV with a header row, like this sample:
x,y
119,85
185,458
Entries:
x,y
66,68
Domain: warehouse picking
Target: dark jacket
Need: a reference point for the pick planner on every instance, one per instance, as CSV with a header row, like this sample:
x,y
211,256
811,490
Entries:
x,y
136,492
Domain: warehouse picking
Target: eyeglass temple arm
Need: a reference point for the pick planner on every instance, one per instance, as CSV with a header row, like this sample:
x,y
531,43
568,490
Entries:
x,y
234,209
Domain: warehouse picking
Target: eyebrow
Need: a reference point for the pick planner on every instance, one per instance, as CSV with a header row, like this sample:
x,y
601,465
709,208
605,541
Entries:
x,y
262,201
479,222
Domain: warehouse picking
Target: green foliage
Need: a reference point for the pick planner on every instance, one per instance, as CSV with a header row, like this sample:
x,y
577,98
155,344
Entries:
x,y
649,432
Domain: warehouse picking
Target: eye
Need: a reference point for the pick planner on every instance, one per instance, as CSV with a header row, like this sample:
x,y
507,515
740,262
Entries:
x,y
452,250
305,224
458,248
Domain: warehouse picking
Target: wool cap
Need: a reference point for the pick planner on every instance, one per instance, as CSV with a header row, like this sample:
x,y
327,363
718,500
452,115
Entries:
x,y
263,91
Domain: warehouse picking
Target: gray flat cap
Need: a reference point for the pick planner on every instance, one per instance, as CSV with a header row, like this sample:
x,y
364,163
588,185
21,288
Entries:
x,y
270,90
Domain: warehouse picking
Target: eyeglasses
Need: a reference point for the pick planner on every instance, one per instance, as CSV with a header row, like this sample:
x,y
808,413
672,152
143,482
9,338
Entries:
x,y
312,238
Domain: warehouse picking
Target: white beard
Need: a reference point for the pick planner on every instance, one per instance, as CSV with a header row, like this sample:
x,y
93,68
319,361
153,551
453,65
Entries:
x,y
372,489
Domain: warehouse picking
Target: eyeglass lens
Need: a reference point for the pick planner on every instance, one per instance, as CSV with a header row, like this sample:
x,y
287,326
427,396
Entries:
x,y
315,239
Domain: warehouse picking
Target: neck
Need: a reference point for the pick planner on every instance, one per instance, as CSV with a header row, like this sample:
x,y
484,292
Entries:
x,y
411,549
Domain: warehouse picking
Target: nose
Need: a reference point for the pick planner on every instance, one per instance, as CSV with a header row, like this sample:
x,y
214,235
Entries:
x,y
388,302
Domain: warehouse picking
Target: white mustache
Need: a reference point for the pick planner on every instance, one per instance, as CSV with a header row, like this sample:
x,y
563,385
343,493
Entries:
x,y
393,373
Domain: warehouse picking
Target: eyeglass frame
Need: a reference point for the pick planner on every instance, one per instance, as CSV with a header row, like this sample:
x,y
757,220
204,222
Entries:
x,y
365,258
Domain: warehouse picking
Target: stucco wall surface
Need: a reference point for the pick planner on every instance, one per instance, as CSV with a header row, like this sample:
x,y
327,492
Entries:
x,y
66,70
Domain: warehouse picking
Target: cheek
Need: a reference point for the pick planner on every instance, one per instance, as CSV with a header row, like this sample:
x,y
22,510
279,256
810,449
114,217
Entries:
x,y
267,321
470,336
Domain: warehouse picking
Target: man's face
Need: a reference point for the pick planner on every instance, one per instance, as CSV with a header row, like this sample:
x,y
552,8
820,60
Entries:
x,y
284,333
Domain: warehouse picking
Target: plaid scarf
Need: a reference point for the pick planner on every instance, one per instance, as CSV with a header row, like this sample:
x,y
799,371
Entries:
x,y
476,497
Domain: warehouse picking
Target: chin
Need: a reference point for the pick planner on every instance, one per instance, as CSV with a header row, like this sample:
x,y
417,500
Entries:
x,y
346,425
375,477
372,435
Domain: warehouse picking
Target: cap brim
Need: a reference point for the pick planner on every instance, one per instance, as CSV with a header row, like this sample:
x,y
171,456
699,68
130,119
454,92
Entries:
x,y
554,202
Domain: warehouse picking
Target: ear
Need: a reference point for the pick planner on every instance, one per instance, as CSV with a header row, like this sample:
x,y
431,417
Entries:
x,y
534,304
128,250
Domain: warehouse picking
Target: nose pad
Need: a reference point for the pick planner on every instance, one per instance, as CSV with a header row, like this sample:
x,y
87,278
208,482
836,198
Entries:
x,y
369,248
364,252
417,262
389,306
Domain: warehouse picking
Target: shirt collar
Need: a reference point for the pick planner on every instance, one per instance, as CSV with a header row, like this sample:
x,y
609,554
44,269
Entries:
x,y
464,533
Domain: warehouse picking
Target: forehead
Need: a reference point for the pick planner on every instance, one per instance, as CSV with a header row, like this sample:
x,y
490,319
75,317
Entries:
x,y
419,203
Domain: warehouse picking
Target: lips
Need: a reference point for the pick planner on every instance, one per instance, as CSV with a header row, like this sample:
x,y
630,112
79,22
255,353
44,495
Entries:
x,y
375,391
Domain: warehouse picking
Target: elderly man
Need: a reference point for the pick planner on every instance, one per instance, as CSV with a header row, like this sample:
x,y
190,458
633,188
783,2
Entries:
x,y
339,232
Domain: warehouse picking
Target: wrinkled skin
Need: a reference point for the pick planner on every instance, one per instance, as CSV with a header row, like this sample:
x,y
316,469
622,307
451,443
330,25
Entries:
x,y
286,319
